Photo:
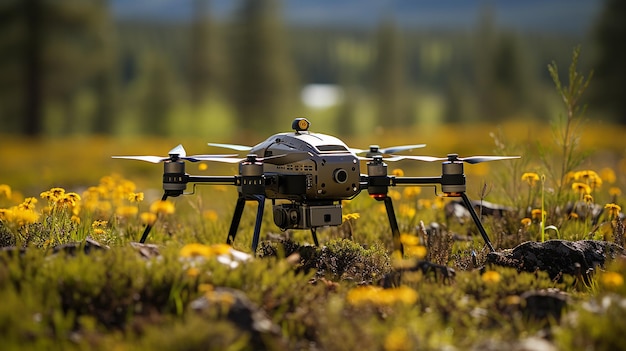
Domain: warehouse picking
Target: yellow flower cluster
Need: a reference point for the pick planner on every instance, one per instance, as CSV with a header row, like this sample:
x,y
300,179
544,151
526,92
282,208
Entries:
x,y
20,215
206,251
374,295
412,247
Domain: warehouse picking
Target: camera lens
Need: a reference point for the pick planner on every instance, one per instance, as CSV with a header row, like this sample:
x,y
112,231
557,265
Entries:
x,y
340,175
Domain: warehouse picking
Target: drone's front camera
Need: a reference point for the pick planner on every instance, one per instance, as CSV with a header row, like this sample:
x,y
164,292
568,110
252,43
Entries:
x,y
340,175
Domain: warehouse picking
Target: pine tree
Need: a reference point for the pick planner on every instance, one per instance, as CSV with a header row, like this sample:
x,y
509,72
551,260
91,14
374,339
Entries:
x,y
389,80
607,91
263,84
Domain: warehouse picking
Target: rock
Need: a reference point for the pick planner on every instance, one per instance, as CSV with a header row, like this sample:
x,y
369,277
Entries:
x,y
235,306
557,257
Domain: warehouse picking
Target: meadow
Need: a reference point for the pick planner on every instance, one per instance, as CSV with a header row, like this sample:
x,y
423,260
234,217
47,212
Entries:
x,y
73,276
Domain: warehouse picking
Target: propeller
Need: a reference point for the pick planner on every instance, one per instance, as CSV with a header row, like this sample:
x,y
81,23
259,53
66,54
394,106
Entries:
x,y
376,150
175,154
456,158
232,146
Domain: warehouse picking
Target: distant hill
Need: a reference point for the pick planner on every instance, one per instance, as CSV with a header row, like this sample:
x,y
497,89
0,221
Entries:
x,y
560,16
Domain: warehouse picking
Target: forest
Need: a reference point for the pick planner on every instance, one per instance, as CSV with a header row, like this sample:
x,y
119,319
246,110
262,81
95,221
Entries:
x,y
70,68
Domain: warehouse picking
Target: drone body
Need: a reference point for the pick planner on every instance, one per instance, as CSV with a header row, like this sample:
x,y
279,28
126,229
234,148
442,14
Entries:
x,y
307,175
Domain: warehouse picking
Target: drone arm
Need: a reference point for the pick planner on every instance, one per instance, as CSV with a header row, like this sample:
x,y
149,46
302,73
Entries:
x,y
230,180
415,180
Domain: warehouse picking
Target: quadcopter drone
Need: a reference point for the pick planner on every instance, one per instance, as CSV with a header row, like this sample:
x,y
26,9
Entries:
x,y
306,175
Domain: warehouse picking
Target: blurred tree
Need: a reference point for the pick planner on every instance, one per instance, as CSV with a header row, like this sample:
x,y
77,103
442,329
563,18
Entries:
x,y
204,67
263,77
607,91
56,49
389,77
158,94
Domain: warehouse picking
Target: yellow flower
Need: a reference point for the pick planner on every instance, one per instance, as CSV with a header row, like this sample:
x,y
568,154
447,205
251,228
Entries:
x,y
536,213
99,224
5,191
406,210
417,251
410,240
162,207
411,192
193,272
350,216
210,215
28,204
203,167
530,178
588,198
398,172
135,197
491,277
581,188
148,218
378,296
127,211
394,195
526,221
613,210
53,195
608,174
615,191
612,280
221,249
196,250
398,340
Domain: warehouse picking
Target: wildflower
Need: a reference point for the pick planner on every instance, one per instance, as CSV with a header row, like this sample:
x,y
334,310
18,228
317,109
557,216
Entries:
x,y
126,211
221,249
398,340
425,203
588,199
135,197
417,251
75,219
536,214
398,172
581,188
394,195
615,191
162,207
99,224
53,195
406,210
613,210
69,199
530,178
203,167
210,215
196,250
526,221
573,215
350,216
378,296
410,240
586,175
491,277
5,191
23,216
411,192
612,280
608,174
28,204
193,272
148,218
